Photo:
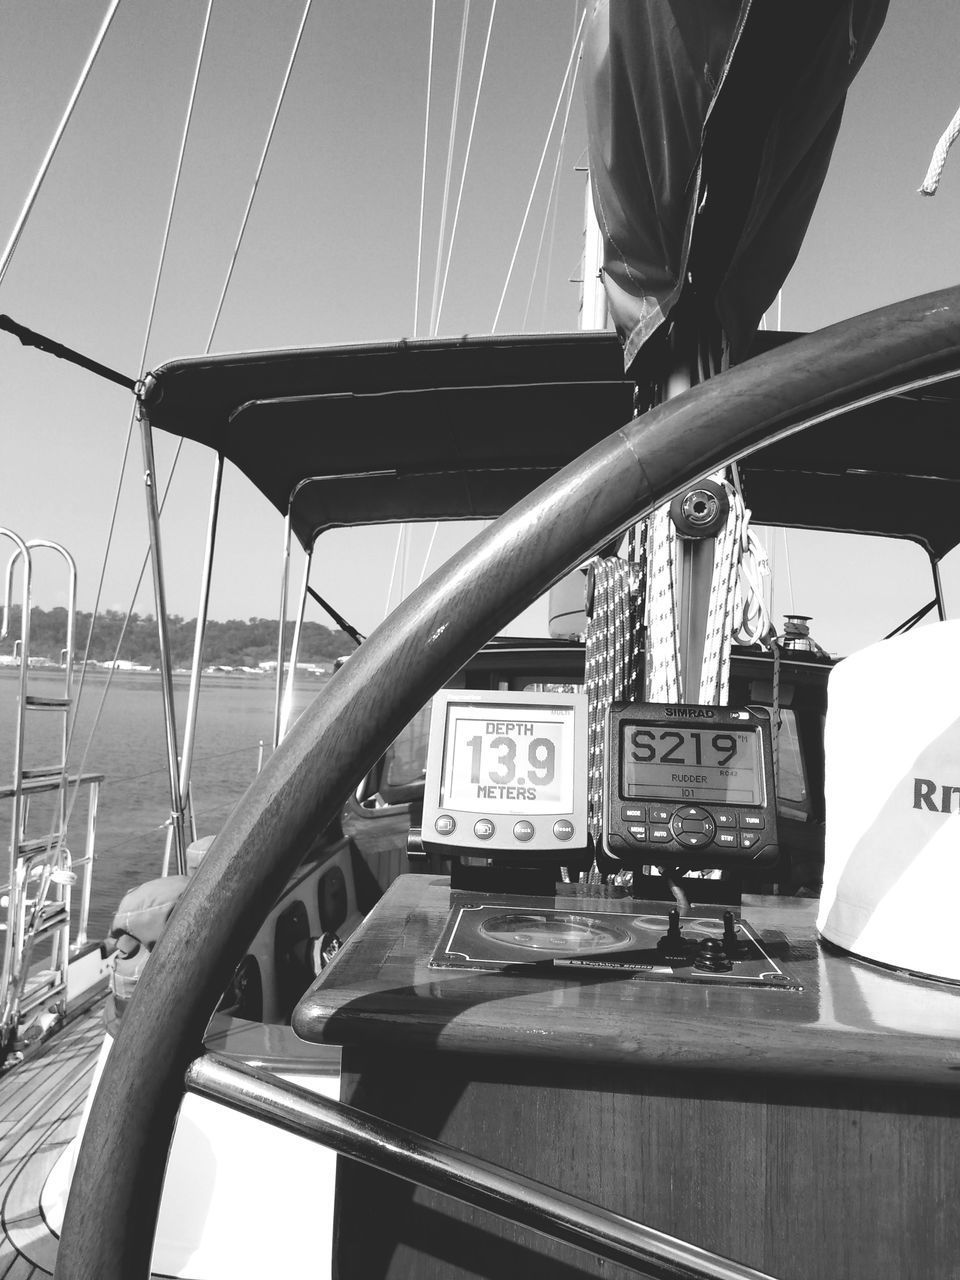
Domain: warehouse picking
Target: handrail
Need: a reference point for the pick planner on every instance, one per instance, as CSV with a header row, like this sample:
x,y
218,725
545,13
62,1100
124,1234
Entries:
x,y
477,1182
16,818
41,865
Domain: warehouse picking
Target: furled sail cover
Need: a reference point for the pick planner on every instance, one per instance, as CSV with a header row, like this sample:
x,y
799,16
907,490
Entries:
x,y
711,124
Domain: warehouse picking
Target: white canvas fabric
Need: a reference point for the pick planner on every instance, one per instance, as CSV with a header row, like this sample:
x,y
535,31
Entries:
x,y
893,802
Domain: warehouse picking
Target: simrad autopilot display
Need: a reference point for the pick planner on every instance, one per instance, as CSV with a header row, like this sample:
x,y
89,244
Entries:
x,y
689,785
506,775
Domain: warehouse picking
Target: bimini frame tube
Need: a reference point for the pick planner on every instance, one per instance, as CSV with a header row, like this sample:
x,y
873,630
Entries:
x,y
166,673
938,589
286,710
193,699
282,624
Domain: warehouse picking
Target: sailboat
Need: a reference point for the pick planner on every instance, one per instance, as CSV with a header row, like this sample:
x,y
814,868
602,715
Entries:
x,y
680,1126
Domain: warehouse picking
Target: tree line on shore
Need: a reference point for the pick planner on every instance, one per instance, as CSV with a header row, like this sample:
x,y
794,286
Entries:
x,y
234,643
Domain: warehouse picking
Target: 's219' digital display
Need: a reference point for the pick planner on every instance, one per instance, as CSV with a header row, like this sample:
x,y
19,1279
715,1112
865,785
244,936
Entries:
x,y
697,765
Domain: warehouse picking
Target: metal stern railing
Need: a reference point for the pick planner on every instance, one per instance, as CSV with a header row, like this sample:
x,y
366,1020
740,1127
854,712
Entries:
x,y
36,898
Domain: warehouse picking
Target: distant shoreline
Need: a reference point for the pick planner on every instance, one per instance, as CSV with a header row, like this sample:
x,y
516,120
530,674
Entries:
x,y
11,671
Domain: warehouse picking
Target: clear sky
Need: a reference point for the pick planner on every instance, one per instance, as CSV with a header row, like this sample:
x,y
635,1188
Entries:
x,y
331,249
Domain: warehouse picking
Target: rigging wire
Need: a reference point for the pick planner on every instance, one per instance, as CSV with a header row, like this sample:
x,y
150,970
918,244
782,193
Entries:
x,y
151,315
47,160
575,50
216,320
786,557
548,269
453,230
393,571
426,558
423,173
448,174
552,200
466,162
256,181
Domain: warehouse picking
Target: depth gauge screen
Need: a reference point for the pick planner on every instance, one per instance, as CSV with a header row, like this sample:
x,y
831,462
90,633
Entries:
x,y
508,759
661,762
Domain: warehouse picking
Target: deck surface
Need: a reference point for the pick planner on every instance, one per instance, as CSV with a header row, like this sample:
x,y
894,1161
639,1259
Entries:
x,y
41,1102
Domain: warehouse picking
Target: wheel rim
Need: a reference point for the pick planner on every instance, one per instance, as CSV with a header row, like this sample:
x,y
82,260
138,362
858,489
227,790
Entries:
x,y
111,1215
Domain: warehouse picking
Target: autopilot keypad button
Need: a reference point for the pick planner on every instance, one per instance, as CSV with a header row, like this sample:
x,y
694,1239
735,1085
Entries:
x,y
748,839
633,812
754,820
691,839
660,835
659,815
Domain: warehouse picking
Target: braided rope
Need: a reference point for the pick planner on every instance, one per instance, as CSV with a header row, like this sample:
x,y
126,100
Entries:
x,y
939,157
663,674
737,611
613,662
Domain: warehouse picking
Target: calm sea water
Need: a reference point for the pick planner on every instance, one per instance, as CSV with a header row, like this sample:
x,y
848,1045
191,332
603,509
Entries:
x,y
236,714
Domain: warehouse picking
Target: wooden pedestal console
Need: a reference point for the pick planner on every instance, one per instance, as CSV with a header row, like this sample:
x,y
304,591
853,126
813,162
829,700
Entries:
x,y
809,1134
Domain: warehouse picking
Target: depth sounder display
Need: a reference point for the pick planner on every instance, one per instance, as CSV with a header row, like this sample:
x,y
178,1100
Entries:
x,y
689,785
506,774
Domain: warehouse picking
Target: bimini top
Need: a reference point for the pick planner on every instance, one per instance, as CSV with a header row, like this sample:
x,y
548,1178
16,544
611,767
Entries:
x,y
453,429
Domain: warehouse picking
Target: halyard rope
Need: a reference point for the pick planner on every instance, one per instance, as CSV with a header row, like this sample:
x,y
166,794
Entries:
x,y
939,157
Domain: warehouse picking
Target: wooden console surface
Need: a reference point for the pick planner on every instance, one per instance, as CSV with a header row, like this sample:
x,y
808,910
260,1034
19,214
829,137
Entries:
x,y
851,1020
814,1135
